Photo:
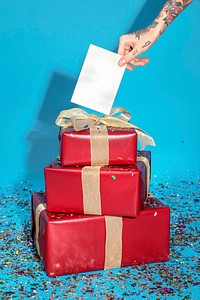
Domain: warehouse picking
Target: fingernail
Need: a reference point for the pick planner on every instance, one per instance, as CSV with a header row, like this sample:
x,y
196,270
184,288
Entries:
x,y
122,62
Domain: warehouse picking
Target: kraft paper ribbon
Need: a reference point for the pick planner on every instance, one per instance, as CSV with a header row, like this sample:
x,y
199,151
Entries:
x,y
39,209
99,147
91,190
146,162
113,244
119,117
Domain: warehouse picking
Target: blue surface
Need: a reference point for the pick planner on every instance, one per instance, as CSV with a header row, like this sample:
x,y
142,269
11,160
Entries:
x,y
22,275
43,45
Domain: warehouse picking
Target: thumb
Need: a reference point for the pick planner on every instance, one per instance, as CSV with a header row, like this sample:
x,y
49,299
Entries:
x,y
127,58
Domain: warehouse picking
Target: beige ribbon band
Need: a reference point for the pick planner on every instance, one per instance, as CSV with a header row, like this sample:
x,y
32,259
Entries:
x,y
146,162
113,243
99,145
39,209
91,190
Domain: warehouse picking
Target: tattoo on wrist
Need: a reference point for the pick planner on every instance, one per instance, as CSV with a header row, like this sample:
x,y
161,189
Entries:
x,y
153,25
146,44
141,32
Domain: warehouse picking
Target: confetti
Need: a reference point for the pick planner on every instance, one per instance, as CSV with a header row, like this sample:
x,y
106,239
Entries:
x,y
22,274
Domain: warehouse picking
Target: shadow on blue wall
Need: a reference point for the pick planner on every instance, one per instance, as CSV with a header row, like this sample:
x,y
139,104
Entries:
x,y
58,95
147,15
43,139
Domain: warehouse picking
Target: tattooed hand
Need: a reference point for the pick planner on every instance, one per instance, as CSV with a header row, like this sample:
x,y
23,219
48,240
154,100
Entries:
x,y
133,44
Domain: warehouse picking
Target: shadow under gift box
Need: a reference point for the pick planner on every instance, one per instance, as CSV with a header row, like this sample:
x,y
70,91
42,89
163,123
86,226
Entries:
x,y
110,190
76,147
79,243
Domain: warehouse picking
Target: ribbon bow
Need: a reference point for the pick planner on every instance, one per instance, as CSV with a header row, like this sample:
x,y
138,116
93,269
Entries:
x,y
119,117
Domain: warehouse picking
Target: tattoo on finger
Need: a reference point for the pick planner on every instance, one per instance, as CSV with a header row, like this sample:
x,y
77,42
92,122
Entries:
x,y
146,44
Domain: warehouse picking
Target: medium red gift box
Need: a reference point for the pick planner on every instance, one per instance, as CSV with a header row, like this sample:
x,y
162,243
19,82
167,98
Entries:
x,y
79,243
98,145
109,190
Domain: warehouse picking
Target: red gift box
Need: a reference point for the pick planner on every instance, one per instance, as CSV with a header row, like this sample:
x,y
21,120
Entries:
x,y
109,190
79,243
97,146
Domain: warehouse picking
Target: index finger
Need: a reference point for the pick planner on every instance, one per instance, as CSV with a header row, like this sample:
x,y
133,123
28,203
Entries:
x,y
121,49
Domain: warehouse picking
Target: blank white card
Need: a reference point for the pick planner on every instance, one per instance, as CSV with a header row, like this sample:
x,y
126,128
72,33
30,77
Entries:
x,y
99,80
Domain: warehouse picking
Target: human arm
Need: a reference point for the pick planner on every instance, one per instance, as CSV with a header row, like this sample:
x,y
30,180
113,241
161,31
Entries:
x,y
133,44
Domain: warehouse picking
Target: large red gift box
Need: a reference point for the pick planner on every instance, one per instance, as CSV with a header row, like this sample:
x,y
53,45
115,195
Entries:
x,y
70,243
95,146
108,190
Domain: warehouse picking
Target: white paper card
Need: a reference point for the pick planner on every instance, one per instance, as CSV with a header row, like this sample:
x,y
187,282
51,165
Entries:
x,y
99,80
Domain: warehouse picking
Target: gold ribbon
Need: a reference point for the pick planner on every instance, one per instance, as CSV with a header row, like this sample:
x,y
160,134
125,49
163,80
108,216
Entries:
x,y
39,209
99,147
113,243
119,117
91,190
147,164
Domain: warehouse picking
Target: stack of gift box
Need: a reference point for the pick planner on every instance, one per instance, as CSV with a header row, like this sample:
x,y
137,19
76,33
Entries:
x,y
97,212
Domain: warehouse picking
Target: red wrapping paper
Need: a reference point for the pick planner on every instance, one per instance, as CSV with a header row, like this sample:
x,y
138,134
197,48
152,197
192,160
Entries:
x,y
76,243
123,189
75,147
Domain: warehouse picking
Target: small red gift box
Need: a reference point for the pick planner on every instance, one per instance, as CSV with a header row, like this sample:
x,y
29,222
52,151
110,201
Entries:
x,y
79,243
98,145
109,190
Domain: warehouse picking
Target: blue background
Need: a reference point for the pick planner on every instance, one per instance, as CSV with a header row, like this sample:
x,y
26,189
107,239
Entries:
x,y
42,48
